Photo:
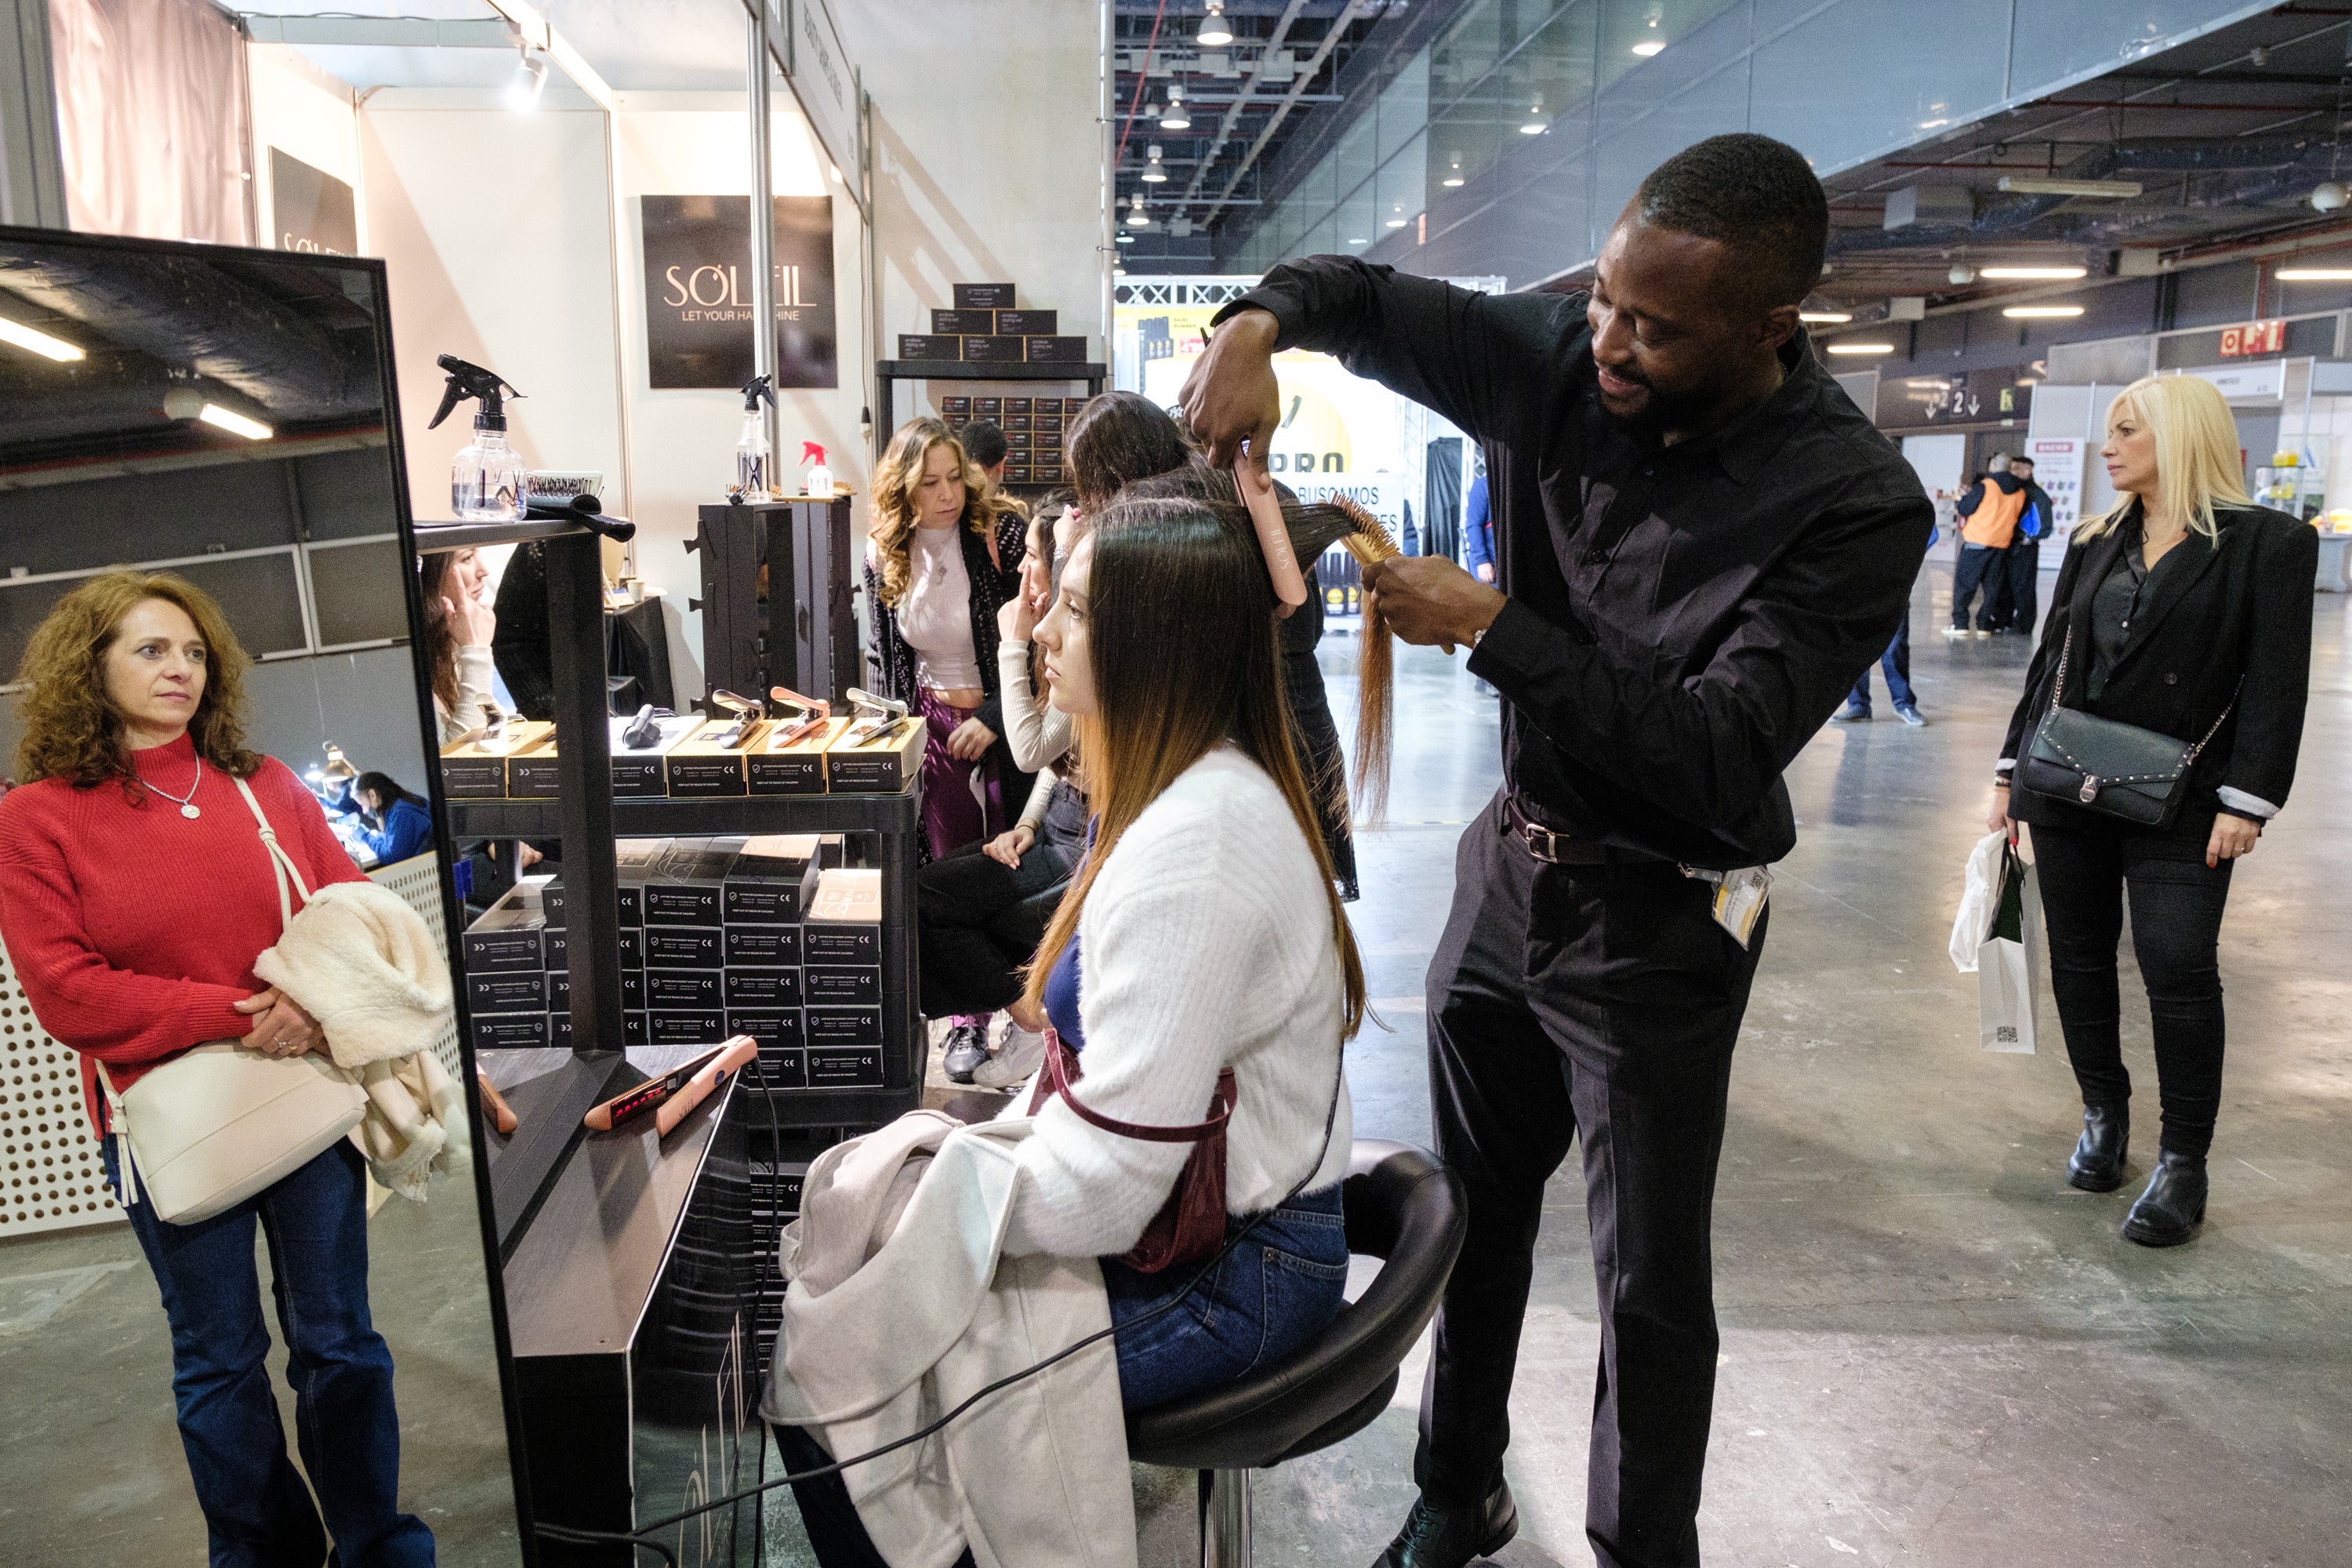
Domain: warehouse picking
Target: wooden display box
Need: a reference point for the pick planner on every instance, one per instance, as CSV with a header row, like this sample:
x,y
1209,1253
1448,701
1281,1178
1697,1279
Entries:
x,y
698,767
470,771
797,769
638,772
886,765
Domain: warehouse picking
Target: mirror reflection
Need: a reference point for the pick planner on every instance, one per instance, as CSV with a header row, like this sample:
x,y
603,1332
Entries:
x,y
244,1307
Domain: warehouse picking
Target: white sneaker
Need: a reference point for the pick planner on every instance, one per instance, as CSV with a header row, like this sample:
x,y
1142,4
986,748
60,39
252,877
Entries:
x,y
1981,635
1015,1063
1955,633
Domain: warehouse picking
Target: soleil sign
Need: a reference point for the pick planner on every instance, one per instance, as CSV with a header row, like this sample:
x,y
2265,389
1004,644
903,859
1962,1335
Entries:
x,y
699,312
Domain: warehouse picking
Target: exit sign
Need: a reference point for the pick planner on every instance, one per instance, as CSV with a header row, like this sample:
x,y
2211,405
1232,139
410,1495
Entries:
x,y
2255,338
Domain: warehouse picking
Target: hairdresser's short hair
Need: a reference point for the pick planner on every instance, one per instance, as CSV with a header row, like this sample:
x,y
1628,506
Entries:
x,y
1759,197
984,443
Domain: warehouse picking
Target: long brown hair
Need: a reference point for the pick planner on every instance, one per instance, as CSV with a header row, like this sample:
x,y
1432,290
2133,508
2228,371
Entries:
x,y
1185,660
73,732
1118,438
440,637
896,479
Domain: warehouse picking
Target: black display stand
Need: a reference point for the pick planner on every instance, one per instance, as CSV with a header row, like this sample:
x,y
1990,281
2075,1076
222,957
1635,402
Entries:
x,y
889,373
779,597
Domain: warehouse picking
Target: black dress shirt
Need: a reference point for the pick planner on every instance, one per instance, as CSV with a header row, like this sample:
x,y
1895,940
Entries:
x,y
1682,619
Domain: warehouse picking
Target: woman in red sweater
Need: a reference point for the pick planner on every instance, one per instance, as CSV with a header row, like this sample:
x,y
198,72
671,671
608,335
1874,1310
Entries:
x,y
135,894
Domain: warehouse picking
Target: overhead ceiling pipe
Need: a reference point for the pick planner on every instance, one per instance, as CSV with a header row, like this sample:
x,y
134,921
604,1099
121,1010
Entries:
x,y
1240,98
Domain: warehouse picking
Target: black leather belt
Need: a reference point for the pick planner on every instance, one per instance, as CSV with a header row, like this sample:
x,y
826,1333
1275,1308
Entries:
x,y
1555,848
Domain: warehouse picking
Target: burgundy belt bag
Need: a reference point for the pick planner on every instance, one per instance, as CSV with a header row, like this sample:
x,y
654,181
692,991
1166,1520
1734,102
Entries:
x,y
1190,1225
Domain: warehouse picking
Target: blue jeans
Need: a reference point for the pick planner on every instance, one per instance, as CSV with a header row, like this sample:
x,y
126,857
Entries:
x,y
257,1511
1263,1301
1896,664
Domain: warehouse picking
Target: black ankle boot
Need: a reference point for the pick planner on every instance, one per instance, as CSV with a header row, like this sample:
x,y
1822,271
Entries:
x,y
2098,1162
2173,1207
1452,1537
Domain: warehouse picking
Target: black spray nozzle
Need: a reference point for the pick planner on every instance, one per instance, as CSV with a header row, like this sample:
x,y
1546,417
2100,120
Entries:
x,y
467,380
756,388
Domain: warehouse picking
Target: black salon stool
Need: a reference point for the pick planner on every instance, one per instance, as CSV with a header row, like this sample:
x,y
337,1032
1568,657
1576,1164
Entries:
x,y
1402,1206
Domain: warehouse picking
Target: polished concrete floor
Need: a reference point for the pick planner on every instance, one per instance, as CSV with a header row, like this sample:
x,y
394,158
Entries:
x,y
90,1468
1935,1352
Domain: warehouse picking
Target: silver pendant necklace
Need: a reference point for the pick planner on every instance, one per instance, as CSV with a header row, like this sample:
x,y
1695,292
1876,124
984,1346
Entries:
x,y
188,803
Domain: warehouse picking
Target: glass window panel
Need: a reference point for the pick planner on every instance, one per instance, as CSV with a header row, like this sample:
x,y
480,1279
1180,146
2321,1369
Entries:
x,y
347,588
1404,107
1551,73
1464,139
1359,223
1398,189
1635,30
263,603
1353,161
1462,58
1320,240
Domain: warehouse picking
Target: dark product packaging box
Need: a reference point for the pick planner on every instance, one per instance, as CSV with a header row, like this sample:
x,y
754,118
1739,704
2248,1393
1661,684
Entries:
x,y
966,323
1018,474
780,1067
777,1027
797,768
762,947
838,1067
638,770
507,938
1018,441
983,295
685,888
987,408
532,772
680,990
633,905
555,948
843,1026
889,762
633,946
772,880
507,1031
1029,324
768,988
559,1030
1017,421
699,767
955,407
929,346
855,985
633,989
1021,404
514,992
1047,424
472,769
700,1026
1054,351
991,350
635,1030
844,926
682,947
559,989
1046,474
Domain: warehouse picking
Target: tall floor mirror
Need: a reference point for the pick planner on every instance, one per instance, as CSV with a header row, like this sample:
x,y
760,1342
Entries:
x,y
202,522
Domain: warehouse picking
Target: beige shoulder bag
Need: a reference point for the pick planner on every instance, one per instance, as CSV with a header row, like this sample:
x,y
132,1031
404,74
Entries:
x,y
211,1128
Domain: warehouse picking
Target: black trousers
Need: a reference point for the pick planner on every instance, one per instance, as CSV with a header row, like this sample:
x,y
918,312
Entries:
x,y
1595,1005
1976,567
2020,596
2177,901
978,920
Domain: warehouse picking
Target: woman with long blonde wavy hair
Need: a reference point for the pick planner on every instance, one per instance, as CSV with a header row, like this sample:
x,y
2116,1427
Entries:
x,y
2184,613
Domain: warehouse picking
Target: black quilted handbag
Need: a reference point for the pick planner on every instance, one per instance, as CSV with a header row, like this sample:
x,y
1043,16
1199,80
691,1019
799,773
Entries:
x,y
2102,765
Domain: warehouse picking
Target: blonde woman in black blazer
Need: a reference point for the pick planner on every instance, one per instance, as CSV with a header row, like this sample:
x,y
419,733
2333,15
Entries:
x,y
2185,607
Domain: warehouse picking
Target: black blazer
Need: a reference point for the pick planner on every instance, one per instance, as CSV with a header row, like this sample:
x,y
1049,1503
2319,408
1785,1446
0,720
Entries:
x,y
2237,624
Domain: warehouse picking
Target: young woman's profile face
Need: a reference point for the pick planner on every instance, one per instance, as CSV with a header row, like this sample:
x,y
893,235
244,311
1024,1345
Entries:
x,y
1065,636
467,573
939,494
2130,451
155,671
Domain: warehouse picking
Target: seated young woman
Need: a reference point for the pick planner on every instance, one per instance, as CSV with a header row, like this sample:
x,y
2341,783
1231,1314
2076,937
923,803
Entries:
x,y
1202,932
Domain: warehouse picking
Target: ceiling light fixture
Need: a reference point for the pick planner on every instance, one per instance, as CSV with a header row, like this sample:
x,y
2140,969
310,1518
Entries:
x,y
1155,172
1135,217
1535,124
1178,116
2329,196
1961,273
2039,312
39,343
2284,274
529,80
1454,180
1861,348
1825,315
2034,272
235,423
1125,239
2035,186
1214,33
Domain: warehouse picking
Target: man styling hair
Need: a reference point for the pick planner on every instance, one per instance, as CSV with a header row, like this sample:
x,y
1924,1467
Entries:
x,y
1699,544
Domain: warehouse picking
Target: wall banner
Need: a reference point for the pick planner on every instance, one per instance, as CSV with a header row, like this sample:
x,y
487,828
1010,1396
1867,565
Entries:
x,y
698,291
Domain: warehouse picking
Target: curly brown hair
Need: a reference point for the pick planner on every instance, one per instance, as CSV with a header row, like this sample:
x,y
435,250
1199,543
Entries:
x,y
72,731
897,477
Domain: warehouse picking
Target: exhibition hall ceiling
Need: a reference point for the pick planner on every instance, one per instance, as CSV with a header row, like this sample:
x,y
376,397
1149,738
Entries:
x,y
636,46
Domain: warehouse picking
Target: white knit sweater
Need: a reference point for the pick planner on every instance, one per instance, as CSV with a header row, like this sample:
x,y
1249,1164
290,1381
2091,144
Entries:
x,y
1206,943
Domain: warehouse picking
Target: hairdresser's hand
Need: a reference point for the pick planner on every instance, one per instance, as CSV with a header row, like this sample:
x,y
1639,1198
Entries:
x,y
526,857
1429,601
474,622
1015,620
282,1028
1006,848
2232,837
968,742
1232,395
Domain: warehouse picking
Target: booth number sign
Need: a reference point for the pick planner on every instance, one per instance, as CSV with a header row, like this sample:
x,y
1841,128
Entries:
x,y
698,291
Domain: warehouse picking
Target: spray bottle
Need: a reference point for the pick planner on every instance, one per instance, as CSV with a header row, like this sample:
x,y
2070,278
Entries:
x,y
754,459
819,481
487,481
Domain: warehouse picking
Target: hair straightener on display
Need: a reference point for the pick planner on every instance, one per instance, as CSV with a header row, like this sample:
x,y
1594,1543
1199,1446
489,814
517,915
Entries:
x,y
747,712
878,718
644,730
813,713
676,1092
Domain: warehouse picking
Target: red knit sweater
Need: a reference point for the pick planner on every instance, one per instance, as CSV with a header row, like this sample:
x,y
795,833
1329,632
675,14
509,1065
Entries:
x,y
133,929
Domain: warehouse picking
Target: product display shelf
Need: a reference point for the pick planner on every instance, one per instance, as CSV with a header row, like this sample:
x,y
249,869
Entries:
x,y
889,373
